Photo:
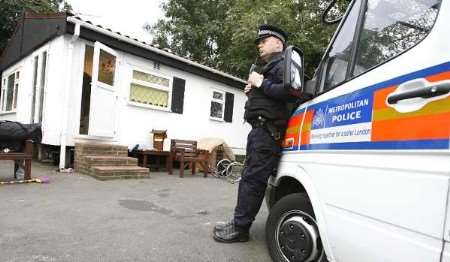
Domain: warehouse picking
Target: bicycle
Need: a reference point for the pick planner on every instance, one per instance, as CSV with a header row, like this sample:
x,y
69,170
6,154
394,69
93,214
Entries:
x,y
229,170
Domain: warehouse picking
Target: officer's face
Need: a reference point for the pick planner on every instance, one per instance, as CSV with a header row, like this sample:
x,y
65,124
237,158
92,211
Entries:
x,y
269,45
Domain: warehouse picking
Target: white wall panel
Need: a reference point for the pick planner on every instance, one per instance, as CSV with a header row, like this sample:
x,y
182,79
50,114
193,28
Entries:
x,y
134,123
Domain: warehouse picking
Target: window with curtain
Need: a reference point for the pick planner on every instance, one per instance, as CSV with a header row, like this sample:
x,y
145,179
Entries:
x,y
150,89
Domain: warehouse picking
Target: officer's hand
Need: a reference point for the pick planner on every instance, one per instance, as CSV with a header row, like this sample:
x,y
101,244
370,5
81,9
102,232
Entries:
x,y
247,88
255,79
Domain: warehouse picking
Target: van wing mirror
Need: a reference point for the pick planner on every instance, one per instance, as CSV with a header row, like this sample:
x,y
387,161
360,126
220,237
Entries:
x,y
294,73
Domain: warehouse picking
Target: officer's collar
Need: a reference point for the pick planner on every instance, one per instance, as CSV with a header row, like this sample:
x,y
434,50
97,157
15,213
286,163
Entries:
x,y
272,59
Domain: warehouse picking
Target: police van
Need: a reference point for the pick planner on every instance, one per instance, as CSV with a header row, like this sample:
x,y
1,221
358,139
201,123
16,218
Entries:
x,y
364,174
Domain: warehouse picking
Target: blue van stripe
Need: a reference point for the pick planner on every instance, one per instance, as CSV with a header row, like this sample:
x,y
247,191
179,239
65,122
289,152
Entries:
x,y
400,145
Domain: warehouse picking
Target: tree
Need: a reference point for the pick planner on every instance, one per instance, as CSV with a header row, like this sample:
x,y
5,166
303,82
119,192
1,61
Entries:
x,y
12,10
221,33
193,29
300,19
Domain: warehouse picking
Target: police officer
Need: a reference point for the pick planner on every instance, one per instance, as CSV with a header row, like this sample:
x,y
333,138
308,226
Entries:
x,y
267,113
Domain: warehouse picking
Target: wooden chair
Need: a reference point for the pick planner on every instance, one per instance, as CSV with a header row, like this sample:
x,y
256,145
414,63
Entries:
x,y
186,152
20,157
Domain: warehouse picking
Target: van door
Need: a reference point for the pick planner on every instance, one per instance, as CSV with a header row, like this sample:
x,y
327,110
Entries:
x,y
103,92
376,139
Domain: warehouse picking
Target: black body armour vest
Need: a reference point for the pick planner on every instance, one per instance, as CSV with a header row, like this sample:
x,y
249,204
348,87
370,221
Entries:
x,y
259,104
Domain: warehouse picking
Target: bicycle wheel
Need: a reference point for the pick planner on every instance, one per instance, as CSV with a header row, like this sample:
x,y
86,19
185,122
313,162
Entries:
x,y
222,167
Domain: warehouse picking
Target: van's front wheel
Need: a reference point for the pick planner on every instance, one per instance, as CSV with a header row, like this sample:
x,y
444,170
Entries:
x,y
291,231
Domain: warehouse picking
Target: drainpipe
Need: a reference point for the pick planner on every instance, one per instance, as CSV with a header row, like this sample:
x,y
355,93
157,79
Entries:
x,y
65,113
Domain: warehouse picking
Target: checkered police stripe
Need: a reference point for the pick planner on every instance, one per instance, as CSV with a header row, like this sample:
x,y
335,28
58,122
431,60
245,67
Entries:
x,y
270,32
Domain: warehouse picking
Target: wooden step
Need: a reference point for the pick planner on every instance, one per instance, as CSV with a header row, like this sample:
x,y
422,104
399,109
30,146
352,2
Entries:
x,y
119,172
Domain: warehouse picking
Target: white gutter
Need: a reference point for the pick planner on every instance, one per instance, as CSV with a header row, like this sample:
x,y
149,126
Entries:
x,y
77,21
65,98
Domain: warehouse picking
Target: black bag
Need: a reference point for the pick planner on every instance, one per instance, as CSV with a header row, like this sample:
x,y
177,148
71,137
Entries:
x,y
14,134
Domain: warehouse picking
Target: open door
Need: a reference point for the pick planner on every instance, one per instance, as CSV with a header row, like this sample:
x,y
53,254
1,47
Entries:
x,y
102,113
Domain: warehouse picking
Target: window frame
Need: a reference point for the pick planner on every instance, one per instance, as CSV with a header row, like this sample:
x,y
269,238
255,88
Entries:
x,y
212,99
15,90
43,72
98,49
39,73
150,85
319,74
363,18
4,90
3,93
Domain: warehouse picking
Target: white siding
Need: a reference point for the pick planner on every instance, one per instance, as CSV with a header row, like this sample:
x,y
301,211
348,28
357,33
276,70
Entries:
x,y
51,124
134,123
53,108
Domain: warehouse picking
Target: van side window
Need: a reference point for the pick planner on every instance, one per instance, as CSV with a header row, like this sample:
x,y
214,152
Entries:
x,y
392,27
337,60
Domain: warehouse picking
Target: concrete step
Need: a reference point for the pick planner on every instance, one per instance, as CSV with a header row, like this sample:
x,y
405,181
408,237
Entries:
x,y
110,161
119,172
87,162
84,149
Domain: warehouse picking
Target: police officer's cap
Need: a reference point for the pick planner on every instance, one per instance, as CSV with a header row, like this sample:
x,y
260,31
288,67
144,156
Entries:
x,y
270,30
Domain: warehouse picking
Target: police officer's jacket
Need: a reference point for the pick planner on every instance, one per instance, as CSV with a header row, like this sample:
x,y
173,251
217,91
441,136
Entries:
x,y
269,100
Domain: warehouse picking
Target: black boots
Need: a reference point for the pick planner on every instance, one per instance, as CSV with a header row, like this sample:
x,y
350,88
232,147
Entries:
x,y
229,233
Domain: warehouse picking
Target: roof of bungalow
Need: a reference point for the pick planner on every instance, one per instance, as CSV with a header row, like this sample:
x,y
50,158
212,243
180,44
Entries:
x,y
25,40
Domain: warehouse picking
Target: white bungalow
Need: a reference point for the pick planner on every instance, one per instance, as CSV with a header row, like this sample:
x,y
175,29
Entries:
x,y
84,82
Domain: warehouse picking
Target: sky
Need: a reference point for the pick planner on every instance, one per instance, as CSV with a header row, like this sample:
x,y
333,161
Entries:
x,y
127,16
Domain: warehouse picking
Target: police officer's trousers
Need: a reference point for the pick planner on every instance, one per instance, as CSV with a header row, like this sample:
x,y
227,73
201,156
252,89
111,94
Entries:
x,y
262,160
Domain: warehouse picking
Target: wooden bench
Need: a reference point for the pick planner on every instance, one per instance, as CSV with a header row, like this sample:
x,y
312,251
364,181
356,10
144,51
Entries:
x,y
20,158
186,152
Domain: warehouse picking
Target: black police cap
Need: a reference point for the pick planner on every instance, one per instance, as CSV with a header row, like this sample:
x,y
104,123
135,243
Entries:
x,y
270,30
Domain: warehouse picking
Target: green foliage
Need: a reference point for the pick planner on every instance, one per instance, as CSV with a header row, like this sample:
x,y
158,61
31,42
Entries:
x,y
11,12
194,29
221,33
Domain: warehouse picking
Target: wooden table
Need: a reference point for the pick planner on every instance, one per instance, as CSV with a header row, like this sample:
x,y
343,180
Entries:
x,y
21,157
145,154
